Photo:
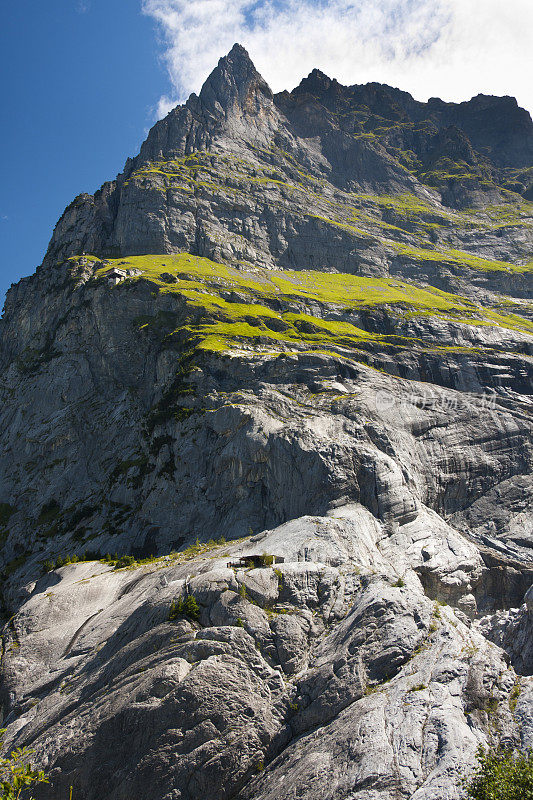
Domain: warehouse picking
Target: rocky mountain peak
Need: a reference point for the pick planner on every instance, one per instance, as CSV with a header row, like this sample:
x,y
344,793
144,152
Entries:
x,y
234,86
234,103
316,83
282,367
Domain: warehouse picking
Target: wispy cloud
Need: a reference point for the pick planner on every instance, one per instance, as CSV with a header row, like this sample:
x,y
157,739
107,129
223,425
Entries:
x,y
450,48
83,6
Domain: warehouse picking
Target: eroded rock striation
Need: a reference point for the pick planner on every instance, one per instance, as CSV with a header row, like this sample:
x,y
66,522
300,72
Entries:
x,y
281,370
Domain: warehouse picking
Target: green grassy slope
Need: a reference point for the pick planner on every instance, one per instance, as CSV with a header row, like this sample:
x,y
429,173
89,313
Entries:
x,y
285,309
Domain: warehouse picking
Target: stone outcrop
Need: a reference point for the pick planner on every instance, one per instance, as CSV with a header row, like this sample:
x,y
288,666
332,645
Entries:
x,y
300,326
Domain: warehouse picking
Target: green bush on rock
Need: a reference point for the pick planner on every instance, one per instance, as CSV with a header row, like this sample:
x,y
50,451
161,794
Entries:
x,y
501,774
17,775
184,607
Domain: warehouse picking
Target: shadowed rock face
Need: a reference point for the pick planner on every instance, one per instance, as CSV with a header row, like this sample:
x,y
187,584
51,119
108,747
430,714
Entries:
x,y
316,343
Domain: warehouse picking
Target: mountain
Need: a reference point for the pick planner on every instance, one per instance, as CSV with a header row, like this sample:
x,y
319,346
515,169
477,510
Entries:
x,y
266,461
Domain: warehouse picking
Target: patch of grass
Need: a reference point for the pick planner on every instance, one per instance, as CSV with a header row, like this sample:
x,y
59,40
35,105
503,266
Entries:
x,y
514,694
457,258
228,308
409,206
201,283
508,214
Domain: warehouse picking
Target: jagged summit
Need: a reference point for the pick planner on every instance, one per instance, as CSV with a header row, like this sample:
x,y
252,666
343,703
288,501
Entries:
x,y
238,54
317,82
370,138
234,84
235,103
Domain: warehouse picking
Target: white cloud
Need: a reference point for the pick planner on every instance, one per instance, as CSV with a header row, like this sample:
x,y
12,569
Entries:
x,y
453,49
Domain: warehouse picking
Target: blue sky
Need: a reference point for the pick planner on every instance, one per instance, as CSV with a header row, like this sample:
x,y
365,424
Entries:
x,y
452,49
83,80
79,88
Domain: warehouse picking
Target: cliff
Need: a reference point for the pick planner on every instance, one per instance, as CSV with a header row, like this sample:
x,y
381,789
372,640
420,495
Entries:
x,y
296,325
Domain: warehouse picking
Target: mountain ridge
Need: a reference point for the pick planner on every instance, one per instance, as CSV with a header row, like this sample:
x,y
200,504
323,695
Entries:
x,y
266,460
470,179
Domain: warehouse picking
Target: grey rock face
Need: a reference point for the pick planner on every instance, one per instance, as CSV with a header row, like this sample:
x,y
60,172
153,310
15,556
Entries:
x,y
202,417
297,180
115,698
513,631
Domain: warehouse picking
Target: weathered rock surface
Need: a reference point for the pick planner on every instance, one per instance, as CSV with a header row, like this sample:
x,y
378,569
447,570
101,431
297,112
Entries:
x,y
513,631
329,681
304,180
347,415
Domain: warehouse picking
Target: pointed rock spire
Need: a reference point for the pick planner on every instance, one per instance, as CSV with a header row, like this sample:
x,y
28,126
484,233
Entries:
x,y
234,100
234,85
316,83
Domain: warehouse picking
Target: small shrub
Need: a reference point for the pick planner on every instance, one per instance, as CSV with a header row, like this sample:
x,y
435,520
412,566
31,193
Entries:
x,y
279,575
124,561
17,775
242,591
491,705
176,609
400,583
49,512
501,774
191,607
514,695
239,623
15,564
184,607
469,650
